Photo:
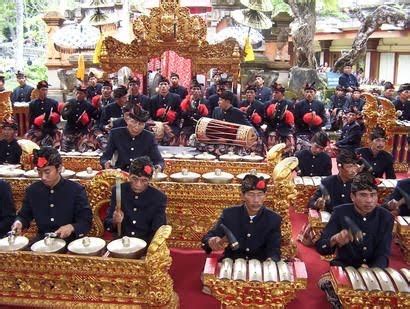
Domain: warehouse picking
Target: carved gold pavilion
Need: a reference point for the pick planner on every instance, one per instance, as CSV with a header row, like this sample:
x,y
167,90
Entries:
x,y
171,27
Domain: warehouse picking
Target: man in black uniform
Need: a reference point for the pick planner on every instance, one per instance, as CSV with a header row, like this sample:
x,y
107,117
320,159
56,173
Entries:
x,y
337,104
135,97
2,82
315,161
93,88
263,94
375,223
7,210
280,120
351,132
56,204
395,202
347,80
142,206
213,100
131,141
211,90
226,112
381,162
355,101
22,93
309,117
99,101
402,102
176,87
165,107
44,115
10,150
254,109
113,110
388,92
337,186
256,228
78,112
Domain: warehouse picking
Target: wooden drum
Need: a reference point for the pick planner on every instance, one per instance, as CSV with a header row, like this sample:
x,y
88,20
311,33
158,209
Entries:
x,y
213,131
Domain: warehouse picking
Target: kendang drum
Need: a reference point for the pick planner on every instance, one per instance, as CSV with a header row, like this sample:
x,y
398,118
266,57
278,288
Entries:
x,y
371,287
213,131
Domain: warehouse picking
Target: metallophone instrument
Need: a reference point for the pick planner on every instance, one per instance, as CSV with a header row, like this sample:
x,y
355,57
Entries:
x,y
371,287
242,283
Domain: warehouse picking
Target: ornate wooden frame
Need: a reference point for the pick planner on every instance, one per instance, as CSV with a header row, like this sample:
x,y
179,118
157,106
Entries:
x,y
171,27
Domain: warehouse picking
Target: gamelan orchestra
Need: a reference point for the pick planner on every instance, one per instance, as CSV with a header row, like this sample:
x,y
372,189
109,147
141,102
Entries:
x,y
102,186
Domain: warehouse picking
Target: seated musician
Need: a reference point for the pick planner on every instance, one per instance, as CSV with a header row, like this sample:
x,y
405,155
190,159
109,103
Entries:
x,y
375,224
10,150
44,114
193,107
213,100
354,101
253,108
380,161
7,210
396,202
56,204
337,186
337,103
351,132
99,101
227,112
256,227
314,161
79,113
142,206
135,97
131,141
402,102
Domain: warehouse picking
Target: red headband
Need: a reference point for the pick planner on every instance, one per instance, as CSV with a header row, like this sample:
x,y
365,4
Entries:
x,y
261,185
41,162
148,169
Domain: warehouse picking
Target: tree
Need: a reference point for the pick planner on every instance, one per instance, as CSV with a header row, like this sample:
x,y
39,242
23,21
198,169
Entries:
x,y
382,15
19,34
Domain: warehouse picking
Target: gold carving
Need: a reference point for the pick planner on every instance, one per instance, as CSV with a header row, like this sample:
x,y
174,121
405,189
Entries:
x,y
6,109
64,280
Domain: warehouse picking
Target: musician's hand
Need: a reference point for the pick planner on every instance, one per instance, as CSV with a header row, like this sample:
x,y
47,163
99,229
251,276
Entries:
x,y
364,266
117,216
342,238
17,227
393,204
217,243
107,165
320,203
65,230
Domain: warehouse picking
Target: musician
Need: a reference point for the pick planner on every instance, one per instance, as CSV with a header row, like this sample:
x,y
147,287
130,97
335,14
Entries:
x,y
263,94
114,110
79,113
254,109
402,102
93,87
44,115
226,111
176,87
381,162
389,90
56,204
337,186
337,103
21,93
347,80
354,101
256,228
211,90
309,116
213,100
131,141
135,97
396,202
100,101
315,161
351,132
376,224
10,150
193,107
165,107
142,206
7,210
279,119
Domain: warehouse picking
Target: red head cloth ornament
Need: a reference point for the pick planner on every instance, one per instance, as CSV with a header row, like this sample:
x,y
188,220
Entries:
x,y
261,185
147,169
377,181
41,162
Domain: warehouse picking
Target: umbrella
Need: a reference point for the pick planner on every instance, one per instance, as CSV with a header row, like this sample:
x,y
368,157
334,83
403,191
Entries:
x,y
76,38
258,5
252,19
239,33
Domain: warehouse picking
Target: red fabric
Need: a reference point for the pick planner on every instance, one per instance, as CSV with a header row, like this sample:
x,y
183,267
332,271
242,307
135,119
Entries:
x,y
203,110
289,118
60,107
309,118
96,101
185,105
55,118
171,116
271,110
256,119
84,119
39,120
160,112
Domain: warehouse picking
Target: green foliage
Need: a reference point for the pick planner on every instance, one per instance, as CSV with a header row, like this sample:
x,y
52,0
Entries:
x,y
36,72
279,6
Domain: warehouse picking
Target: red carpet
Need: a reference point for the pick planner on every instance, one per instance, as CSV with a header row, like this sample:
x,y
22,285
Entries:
x,y
187,266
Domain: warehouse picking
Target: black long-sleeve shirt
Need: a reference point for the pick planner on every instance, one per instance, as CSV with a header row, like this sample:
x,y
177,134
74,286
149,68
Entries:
x,y
303,107
7,210
314,165
10,152
381,164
